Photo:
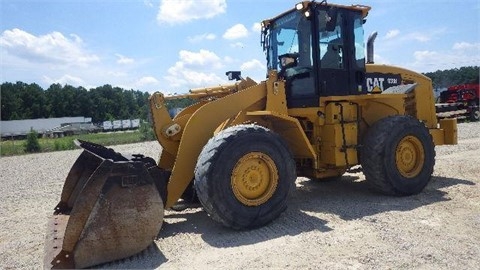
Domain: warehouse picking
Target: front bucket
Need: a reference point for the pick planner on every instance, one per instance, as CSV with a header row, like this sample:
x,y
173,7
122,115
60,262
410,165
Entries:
x,y
110,208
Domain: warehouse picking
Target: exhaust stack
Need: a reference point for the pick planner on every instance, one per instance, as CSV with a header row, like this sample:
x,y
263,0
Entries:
x,y
370,51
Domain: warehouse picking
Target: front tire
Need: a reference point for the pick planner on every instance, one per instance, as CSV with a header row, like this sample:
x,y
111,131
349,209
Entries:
x,y
398,156
244,175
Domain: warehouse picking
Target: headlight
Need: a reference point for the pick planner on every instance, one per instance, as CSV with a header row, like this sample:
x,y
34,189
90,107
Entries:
x,y
299,6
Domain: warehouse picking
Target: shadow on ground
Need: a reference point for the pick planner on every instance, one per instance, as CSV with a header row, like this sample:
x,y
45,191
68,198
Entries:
x,y
150,258
348,199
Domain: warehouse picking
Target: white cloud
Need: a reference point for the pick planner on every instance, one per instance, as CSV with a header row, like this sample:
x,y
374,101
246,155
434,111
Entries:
x,y
424,36
180,77
419,37
57,58
466,46
65,79
195,69
396,38
392,34
145,83
235,32
423,55
53,48
253,64
256,27
182,11
228,59
198,38
427,60
237,45
123,59
148,3
380,59
148,80
117,73
201,58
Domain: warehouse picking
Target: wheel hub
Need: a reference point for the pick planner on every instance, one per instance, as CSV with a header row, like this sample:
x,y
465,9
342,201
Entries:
x,y
254,179
409,156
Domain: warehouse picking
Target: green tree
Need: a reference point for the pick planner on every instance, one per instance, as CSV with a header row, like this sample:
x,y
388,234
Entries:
x,y
56,101
85,102
455,76
21,101
31,144
146,131
11,102
34,101
179,103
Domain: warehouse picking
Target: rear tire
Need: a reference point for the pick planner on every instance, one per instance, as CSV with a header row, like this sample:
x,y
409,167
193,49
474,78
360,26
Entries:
x,y
398,156
244,175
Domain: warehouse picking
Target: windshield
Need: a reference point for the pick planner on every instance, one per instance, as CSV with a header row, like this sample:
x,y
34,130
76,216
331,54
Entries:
x,y
289,34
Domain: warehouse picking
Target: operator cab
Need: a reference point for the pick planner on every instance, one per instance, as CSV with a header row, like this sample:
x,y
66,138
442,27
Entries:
x,y
318,49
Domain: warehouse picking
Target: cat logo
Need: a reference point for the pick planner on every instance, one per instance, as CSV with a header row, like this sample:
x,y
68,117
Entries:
x,y
375,85
378,82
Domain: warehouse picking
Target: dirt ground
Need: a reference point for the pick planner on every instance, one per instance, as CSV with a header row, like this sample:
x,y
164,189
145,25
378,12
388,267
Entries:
x,y
329,225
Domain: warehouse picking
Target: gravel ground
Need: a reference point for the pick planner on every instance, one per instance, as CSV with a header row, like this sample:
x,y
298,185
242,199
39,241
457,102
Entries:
x,y
333,225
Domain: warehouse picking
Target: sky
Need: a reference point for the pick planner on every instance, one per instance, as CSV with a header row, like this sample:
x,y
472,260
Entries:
x,y
176,45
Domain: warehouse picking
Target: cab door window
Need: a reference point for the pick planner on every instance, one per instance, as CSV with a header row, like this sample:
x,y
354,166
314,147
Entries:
x,y
331,41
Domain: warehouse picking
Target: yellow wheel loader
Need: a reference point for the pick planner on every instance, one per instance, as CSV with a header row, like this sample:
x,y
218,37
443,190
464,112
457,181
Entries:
x,y
323,109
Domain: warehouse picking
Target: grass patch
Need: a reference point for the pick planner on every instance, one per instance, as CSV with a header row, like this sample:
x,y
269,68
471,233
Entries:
x,y
16,147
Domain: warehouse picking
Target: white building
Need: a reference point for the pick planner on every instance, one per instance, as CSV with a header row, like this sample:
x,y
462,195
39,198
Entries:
x,y
13,128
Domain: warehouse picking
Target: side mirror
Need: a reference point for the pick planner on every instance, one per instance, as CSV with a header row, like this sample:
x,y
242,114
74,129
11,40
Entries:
x,y
234,75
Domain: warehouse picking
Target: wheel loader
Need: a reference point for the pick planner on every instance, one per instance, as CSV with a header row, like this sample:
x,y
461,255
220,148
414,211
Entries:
x,y
323,109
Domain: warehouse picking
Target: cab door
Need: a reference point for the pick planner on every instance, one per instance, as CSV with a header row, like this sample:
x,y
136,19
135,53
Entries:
x,y
341,61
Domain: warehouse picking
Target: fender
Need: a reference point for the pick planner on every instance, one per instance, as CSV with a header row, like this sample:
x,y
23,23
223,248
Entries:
x,y
291,130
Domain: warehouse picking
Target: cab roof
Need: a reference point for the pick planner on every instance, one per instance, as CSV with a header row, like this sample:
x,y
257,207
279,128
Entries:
x,y
306,4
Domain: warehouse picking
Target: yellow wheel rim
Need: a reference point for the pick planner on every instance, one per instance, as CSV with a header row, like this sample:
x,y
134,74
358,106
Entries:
x,y
409,156
254,179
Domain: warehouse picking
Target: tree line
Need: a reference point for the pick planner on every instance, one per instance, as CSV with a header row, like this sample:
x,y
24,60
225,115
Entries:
x,y
449,77
30,101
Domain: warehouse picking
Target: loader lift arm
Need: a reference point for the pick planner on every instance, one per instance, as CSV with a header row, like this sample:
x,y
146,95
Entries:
x,y
196,132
